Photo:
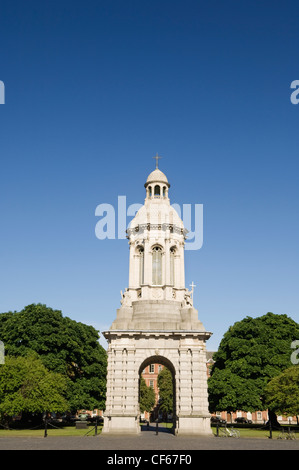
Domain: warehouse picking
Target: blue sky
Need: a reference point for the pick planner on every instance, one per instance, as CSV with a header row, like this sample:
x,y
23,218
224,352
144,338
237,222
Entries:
x,y
92,91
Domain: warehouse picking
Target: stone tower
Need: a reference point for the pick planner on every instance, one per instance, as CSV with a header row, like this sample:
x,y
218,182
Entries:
x,y
157,322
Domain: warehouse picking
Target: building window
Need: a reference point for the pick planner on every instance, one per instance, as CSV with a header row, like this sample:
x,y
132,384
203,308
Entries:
x,y
151,383
160,368
157,266
141,266
172,255
151,368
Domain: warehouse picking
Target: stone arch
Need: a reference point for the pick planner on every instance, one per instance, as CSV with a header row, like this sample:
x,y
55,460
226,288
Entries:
x,y
139,249
157,246
157,190
157,358
151,357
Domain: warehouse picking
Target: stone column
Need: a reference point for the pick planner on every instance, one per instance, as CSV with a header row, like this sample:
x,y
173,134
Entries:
x,y
184,379
182,266
121,415
132,267
167,262
193,411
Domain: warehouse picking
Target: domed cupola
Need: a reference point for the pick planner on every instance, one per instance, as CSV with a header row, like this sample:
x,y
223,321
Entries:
x,y
157,184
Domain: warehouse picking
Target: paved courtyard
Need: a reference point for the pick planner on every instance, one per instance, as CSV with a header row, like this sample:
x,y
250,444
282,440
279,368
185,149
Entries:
x,y
145,441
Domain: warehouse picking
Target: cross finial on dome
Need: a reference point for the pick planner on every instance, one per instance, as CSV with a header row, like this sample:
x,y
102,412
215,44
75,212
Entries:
x,y
157,158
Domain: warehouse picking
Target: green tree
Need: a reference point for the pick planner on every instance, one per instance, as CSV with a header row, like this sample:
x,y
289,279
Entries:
x,y
165,385
65,346
147,397
251,353
26,386
282,392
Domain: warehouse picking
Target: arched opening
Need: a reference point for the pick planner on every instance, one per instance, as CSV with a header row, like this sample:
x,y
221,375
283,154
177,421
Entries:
x,y
157,395
172,256
157,266
157,190
150,191
140,251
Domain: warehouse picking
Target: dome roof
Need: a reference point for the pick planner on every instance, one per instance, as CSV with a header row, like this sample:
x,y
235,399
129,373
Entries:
x,y
158,213
157,176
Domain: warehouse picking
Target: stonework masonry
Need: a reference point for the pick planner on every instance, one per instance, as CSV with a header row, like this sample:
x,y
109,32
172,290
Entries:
x,y
157,322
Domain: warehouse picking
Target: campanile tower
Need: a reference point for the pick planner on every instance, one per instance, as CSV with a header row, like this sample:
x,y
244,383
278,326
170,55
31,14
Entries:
x,y
157,322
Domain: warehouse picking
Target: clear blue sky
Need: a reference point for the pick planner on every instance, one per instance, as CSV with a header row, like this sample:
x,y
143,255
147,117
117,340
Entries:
x,y
93,90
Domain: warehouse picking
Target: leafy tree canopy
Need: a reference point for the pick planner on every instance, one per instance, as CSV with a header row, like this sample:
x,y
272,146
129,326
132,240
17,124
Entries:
x,y
65,346
26,386
165,384
147,397
251,352
282,392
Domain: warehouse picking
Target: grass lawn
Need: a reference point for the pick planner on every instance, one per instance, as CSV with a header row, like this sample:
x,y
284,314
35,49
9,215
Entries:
x,y
67,431
256,433
72,431
244,432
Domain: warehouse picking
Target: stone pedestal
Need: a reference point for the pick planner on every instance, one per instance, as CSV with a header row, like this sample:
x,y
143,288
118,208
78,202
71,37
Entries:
x,y
121,424
81,424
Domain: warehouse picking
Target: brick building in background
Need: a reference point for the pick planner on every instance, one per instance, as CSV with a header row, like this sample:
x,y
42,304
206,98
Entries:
x,y
150,375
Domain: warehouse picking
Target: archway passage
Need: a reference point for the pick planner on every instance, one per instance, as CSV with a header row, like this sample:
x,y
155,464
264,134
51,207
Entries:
x,y
157,395
182,352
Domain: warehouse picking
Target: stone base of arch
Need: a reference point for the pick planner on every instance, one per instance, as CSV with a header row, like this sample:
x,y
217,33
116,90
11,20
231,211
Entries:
x,y
186,425
194,425
183,352
121,425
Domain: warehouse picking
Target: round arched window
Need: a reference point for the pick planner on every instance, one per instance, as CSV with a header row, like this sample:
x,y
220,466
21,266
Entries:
x,y
157,266
141,264
172,255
